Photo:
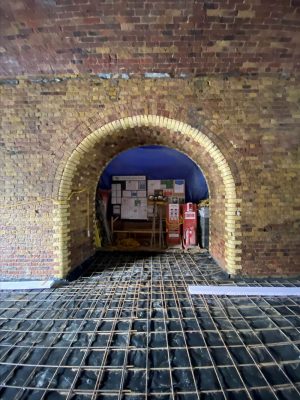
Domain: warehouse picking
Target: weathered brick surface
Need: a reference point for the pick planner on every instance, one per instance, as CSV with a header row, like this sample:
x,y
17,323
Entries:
x,y
174,36
253,121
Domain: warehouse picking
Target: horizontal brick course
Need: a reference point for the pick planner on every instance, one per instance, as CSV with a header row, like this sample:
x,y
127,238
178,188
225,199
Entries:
x,y
194,37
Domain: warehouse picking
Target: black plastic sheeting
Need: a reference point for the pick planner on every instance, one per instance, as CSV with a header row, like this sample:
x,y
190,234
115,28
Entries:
x,y
130,330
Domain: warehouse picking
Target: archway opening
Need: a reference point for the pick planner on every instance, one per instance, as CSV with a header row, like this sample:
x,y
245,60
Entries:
x,y
78,175
137,195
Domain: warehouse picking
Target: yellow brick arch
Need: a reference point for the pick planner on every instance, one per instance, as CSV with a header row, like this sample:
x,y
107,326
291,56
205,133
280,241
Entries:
x,y
62,209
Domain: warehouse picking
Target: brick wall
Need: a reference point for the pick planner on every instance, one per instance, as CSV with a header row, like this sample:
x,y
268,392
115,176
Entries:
x,y
171,36
252,120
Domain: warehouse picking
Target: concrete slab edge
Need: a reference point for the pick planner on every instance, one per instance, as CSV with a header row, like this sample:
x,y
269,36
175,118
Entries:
x,y
245,290
24,285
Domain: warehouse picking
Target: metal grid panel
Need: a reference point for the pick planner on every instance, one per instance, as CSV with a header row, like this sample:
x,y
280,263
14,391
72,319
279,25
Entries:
x,y
130,330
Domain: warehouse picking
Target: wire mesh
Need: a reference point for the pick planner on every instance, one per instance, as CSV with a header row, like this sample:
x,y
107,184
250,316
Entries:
x,y
128,329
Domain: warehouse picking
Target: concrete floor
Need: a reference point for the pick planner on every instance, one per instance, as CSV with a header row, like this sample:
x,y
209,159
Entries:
x,y
129,330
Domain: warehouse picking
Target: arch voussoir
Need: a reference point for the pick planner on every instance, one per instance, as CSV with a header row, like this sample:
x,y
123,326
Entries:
x,y
107,127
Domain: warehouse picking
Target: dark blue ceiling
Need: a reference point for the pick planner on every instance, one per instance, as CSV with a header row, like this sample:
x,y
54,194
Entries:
x,y
158,162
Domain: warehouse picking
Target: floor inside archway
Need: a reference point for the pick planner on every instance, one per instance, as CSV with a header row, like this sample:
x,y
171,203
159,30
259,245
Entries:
x,y
128,329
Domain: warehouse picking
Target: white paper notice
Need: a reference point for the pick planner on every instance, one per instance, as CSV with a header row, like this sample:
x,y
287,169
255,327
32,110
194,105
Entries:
x,y
179,186
132,185
153,185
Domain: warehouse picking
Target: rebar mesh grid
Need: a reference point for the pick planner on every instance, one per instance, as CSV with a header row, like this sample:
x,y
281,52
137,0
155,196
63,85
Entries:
x,y
129,330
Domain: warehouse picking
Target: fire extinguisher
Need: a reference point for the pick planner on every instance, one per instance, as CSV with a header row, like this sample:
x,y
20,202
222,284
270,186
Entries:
x,y
189,213
187,236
